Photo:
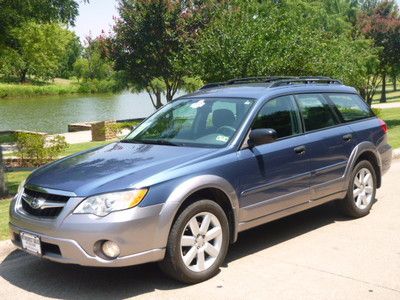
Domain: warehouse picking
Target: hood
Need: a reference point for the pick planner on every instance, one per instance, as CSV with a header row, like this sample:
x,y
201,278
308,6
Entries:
x,y
113,167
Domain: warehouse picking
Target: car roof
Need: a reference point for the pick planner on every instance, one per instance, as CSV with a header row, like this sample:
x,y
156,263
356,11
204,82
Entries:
x,y
263,90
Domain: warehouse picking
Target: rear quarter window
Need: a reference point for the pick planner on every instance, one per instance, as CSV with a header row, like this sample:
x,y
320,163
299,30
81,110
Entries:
x,y
350,106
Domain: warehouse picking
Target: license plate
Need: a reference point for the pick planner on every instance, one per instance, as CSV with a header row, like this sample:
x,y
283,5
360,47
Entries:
x,y
31,243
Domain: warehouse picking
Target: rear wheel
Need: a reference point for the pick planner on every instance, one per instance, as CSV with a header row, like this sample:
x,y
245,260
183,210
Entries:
x,y
197,243
361,192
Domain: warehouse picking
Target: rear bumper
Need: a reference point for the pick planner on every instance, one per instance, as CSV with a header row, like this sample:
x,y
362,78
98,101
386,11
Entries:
x,y
70,252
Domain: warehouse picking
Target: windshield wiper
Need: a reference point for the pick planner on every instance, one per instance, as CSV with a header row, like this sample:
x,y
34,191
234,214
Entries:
x,y
152,142
160,142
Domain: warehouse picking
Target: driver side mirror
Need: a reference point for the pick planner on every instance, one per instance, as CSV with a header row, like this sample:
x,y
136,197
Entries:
x,y
261,136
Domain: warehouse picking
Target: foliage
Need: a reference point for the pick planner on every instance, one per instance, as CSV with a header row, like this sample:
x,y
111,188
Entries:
x,y
253,38
7,138
100,86
73,52
40,51
37,148
95,63
151,39
117,127
13,13
380,21
95,68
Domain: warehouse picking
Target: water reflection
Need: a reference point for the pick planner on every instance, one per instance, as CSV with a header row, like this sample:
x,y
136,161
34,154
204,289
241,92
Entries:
x,y
53,114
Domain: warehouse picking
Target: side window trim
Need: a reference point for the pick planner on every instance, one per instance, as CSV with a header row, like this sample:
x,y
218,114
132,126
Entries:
x,y
243,144
336,114
335,118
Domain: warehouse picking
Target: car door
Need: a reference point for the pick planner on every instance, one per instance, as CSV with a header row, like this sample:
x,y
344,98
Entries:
x,y
329,144
275,176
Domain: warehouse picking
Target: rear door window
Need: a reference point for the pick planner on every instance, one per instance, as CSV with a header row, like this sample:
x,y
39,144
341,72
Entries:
x,y
350,106
315,111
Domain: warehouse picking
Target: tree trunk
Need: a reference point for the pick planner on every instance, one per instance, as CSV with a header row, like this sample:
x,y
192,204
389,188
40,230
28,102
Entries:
x,y
3,188
169,95
158,100
395,83
383,92
22,77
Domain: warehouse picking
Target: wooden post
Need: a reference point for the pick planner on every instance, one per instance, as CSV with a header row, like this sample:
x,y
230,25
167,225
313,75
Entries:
x,y
3,188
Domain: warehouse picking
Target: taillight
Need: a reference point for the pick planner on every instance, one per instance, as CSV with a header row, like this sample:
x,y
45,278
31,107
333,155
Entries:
x,y
383,126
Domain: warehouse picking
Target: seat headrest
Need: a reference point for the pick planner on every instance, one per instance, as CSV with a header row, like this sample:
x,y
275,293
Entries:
x,y
223,117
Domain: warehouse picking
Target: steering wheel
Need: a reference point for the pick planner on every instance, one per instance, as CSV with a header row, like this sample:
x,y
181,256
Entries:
x,y
226,130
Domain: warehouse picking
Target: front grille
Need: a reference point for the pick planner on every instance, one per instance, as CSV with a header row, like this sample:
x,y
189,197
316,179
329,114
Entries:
x,y
50,212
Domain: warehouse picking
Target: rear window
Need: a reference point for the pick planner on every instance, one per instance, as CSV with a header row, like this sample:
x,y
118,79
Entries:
x,y
351,107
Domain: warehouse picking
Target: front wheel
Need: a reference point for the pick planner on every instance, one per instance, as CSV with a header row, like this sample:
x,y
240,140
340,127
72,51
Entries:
x,y
361,192
198,243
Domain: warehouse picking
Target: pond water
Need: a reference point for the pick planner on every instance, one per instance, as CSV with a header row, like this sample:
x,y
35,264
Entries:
x,y
53,114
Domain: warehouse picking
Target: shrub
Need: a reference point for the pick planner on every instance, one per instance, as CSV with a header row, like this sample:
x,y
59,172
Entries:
x,y
117,128
99,86
37,149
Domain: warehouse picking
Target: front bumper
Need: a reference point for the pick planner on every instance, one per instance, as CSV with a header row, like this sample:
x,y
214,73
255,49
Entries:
x,y
70,252
141,234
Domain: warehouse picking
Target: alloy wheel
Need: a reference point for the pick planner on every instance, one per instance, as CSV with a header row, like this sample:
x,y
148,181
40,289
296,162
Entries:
x,y
201,242
363,188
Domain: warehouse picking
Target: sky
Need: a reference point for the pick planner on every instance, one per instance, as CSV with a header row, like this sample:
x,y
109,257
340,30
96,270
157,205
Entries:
x,y
97,16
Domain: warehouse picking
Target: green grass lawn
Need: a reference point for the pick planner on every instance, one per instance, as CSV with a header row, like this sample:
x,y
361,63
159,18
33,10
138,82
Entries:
x,y
9,90
13,180
392,96
74,148
392,119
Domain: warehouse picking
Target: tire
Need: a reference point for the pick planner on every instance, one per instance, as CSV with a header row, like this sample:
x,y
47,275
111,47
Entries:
x,y
355,205
191,259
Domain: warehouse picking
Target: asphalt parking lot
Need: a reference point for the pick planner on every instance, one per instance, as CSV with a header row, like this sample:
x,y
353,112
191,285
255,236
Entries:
x,y
316,254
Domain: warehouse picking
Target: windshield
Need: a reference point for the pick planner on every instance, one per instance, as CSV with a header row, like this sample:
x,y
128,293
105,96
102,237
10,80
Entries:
x,y
209,122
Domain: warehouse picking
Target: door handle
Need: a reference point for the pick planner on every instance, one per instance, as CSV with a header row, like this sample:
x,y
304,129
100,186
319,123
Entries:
x,y
300,149
347,137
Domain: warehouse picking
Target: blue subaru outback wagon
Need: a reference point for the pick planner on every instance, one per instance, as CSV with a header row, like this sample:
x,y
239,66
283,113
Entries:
x,y
182,185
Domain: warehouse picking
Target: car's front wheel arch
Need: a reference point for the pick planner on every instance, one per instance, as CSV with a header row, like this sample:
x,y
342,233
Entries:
x,y
218,196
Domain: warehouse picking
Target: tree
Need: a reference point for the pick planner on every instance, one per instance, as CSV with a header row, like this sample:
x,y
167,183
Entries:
x,y
258,38
151,39
40,50
380,21
73,52
95,62
13,13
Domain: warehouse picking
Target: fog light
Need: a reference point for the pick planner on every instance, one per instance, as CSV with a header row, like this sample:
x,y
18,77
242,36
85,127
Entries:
x,y
110,249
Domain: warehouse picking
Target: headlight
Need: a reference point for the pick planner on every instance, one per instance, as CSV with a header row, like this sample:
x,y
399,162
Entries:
x,y
102,205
